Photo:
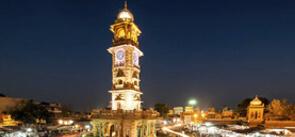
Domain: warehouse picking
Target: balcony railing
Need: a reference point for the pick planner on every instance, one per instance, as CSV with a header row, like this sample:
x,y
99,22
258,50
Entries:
x,y
119,64
103,113
119,86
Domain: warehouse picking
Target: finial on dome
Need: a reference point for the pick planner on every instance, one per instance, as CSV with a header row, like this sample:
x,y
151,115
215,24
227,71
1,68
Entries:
x,y
125,4
125,14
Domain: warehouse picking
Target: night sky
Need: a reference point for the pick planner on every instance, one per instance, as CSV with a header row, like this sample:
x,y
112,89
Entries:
x,y
215,51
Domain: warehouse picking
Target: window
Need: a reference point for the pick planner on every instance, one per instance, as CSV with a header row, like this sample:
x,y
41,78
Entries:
x,y
120,81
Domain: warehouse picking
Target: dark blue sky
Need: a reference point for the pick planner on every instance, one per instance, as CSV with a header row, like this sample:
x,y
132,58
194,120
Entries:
x,y
216,51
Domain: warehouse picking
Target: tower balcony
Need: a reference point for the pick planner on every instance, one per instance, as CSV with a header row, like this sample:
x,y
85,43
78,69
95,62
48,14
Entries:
x,y
115,114
119,86
126,86
119,64
125,41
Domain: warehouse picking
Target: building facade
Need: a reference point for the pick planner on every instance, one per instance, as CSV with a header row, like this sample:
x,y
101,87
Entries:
x,y
178,110
189,109
255,111
53,108
211,113
126,118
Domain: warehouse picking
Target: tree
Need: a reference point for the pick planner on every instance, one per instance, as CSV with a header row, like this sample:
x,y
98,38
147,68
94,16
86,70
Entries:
x,y
280,110
242,107
291,111
2,95
28,112
163,109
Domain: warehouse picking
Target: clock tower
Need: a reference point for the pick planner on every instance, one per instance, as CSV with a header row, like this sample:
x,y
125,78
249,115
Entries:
x,y
126,119
125,57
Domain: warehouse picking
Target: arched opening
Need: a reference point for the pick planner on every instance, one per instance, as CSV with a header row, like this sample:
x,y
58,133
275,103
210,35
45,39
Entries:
x,y
119,106
121,33
139,132
120,81
135,74
112,131
127,133
120,73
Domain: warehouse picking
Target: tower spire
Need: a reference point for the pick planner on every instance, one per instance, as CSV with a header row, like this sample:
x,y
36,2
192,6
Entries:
x,y
125,4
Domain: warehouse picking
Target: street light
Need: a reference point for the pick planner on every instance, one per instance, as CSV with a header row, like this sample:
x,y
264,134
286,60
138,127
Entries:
x,y
192,102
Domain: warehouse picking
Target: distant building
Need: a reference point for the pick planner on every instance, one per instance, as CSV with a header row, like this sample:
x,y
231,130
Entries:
x,y
178,110
53,108
189,109
255,111
228,114
187,116
84,115
6,120
217,116
170,112
211,113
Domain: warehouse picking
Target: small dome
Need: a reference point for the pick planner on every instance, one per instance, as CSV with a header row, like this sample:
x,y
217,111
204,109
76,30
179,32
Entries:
x,y
256,101
125,14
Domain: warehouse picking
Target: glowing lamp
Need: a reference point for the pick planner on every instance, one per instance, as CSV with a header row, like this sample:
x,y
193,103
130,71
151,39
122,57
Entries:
x,y
60,122
29,130
192,102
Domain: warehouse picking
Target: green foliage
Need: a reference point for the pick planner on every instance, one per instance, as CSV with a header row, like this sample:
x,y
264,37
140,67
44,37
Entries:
x,y
242,107
162,108
28,112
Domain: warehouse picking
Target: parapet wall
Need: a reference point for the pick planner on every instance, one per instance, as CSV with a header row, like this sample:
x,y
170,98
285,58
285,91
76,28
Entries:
x,y
131,114
279,124
226,121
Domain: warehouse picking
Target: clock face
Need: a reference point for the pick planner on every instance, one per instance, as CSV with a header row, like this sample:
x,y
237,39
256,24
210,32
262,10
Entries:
x,y
120,55
135,58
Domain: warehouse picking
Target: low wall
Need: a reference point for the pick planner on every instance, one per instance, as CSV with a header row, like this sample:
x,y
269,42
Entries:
x,y
225,121
279,124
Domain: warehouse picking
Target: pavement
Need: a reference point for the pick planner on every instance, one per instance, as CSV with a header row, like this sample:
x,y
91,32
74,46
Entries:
x,y
74,135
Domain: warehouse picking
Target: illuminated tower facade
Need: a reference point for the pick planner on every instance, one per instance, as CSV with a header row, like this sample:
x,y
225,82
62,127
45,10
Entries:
x,y
125,57
126,119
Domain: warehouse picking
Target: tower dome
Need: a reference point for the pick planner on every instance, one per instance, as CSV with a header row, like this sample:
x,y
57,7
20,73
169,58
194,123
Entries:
x,y
125,14
256,101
